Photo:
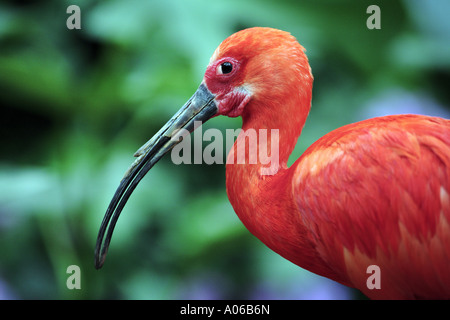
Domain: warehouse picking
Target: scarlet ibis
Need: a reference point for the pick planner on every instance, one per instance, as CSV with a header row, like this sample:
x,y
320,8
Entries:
x,y
371,193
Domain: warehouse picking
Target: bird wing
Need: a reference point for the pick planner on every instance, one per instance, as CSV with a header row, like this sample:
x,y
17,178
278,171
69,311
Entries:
x,y
377,193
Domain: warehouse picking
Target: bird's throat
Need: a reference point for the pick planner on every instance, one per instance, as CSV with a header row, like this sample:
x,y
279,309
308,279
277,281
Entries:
x,y
262,196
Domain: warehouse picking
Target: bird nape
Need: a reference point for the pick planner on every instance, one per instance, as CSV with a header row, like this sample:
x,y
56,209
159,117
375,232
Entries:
x,y
372,195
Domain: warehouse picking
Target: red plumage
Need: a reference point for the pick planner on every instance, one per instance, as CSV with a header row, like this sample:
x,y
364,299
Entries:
x,y
376,192
384,199
369,193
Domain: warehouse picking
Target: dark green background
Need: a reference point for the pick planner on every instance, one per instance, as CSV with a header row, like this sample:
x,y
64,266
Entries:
x,y
76,105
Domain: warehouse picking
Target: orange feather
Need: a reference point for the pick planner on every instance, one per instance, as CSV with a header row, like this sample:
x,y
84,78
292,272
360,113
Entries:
x,y
374,192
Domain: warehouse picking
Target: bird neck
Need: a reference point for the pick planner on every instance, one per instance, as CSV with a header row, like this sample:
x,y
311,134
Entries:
x,y
277,132
263,198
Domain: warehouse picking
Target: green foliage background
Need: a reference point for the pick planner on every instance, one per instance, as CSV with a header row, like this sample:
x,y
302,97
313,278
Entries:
x,y
76,104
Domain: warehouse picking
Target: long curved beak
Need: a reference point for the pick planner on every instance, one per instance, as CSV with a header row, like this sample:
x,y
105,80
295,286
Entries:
x,y
200,107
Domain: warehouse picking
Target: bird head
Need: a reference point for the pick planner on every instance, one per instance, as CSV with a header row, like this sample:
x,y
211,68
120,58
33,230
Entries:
x,y
257,64
254,73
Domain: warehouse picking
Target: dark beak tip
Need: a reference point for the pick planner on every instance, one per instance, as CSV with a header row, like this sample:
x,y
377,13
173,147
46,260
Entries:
x,y
100,256
99,261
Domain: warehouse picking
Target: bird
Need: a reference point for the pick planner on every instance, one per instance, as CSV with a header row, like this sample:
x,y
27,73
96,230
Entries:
x,y
370,194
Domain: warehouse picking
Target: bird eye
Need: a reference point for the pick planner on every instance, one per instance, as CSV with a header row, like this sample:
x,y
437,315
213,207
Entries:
x,y
224,68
